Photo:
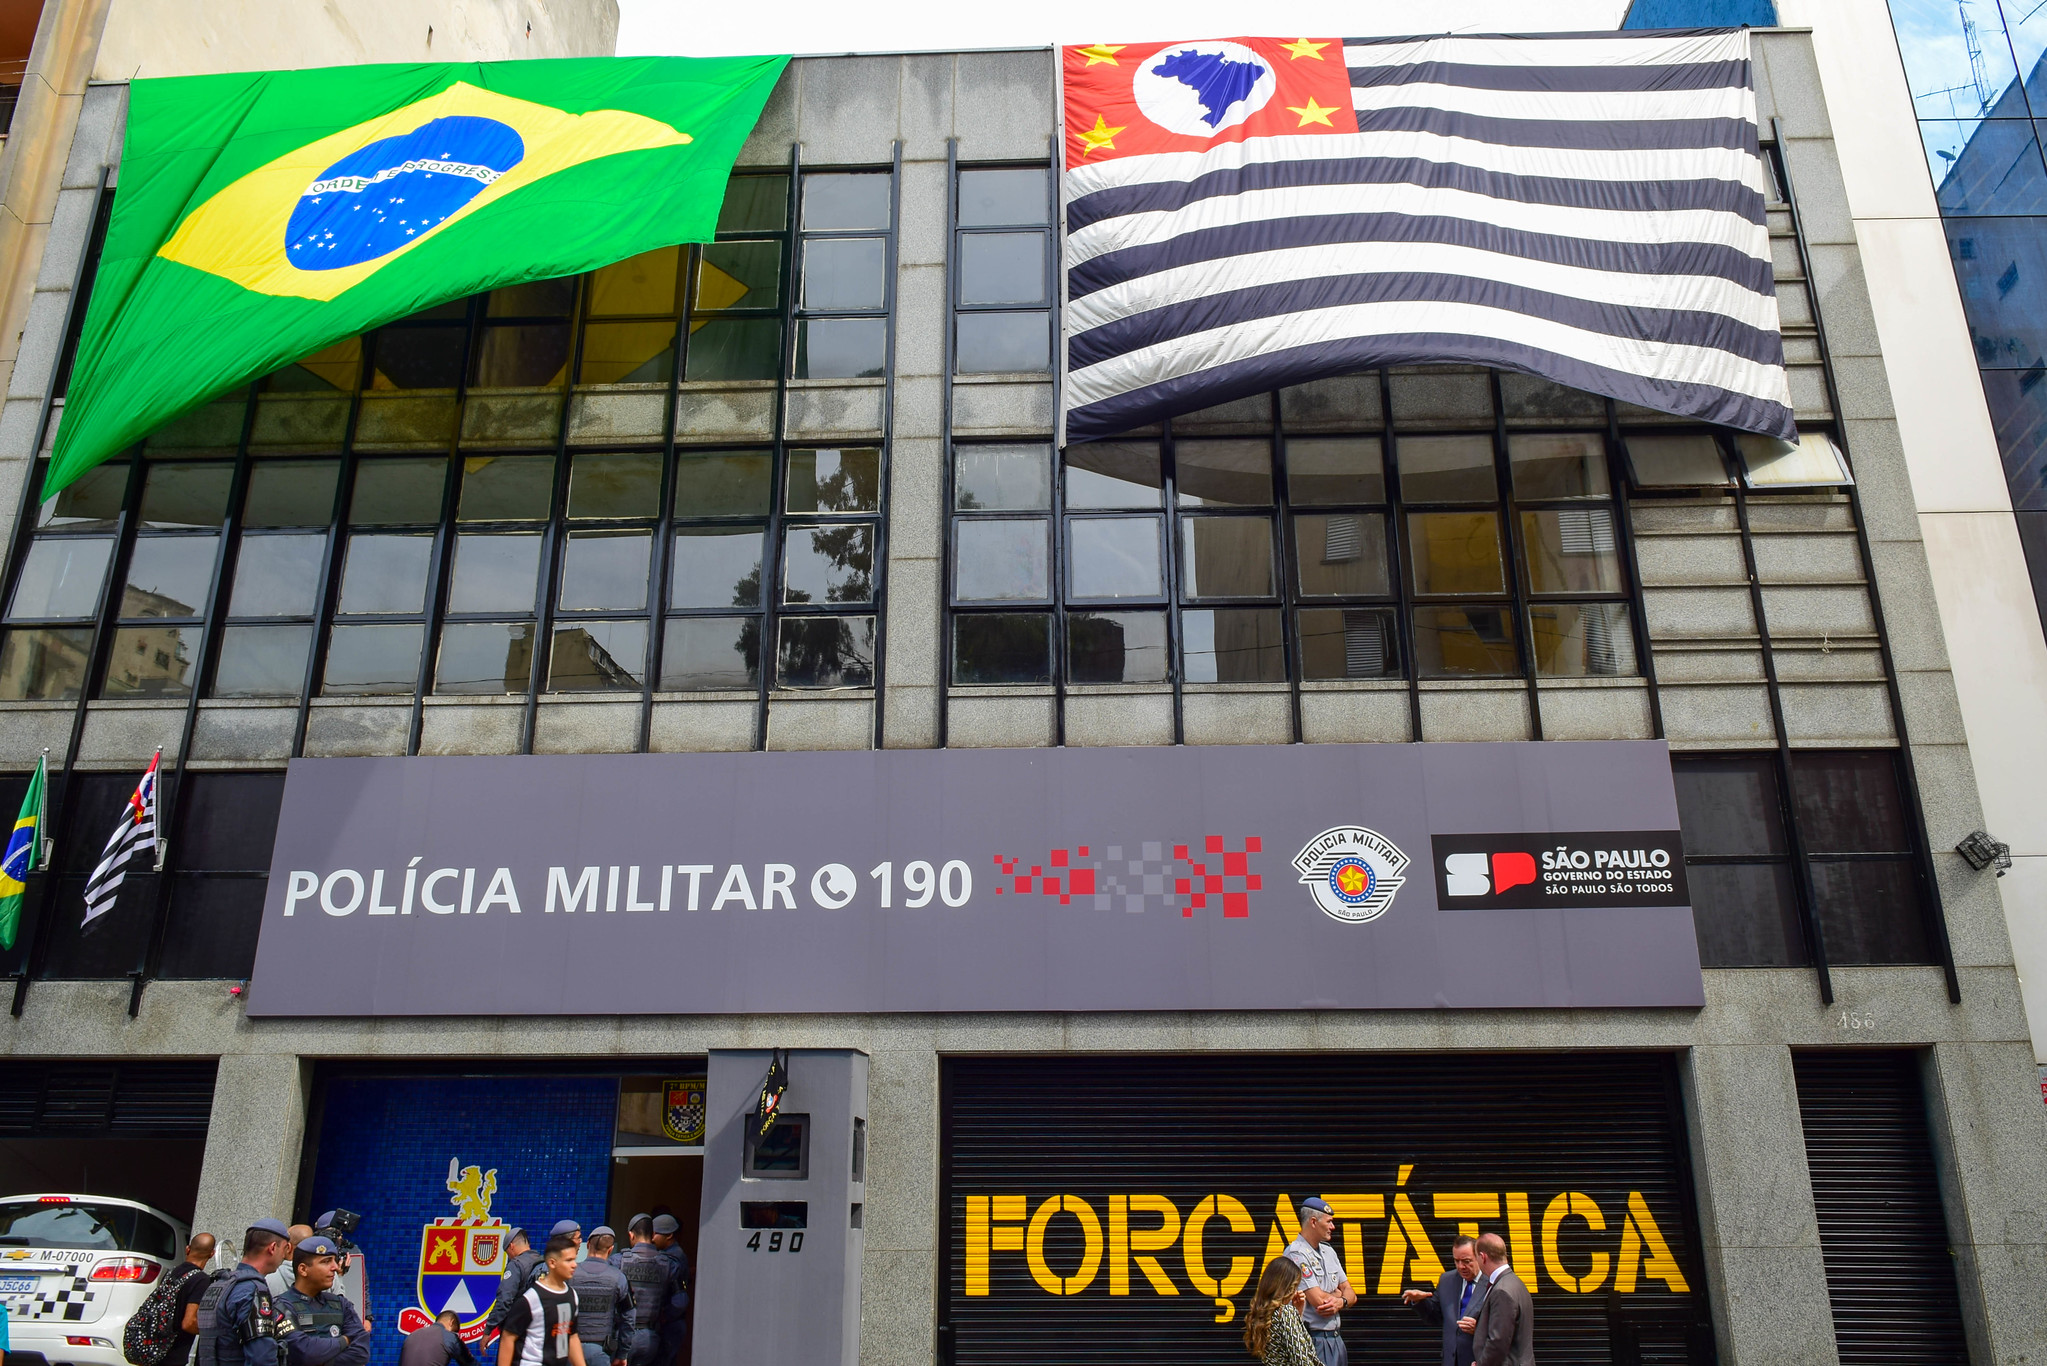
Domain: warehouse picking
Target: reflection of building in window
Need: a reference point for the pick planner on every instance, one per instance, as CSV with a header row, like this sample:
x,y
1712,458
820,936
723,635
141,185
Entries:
x,y
581,663
150,660
44,664
142,602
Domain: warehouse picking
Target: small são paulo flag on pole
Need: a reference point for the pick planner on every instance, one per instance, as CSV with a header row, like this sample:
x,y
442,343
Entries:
x,y
134,833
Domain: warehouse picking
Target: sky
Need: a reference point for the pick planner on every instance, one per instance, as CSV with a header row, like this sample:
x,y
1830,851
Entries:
x,y
697,29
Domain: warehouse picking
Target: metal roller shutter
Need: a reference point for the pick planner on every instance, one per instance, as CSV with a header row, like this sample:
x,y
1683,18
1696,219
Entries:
x,y
64,1099
1112,1209
1883,1231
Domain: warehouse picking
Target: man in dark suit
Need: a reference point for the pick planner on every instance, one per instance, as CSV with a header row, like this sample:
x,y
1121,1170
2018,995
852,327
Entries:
x,y
1503,1331
1456,1296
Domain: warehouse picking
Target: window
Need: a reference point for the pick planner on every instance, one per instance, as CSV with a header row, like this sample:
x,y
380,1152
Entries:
x,y
46,647
313,533
1260,558
1858,842
1738,861
280,577
1002,270
604,589
1002,561
737,284
488,624
717,565
1857,853
220,869
378,639
1578,621
831,531
843,270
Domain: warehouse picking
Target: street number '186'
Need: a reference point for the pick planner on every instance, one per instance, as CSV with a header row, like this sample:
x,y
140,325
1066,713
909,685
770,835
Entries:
x,y
753,1244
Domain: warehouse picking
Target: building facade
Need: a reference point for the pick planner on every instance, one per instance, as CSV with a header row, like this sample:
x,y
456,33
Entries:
x,y
797,490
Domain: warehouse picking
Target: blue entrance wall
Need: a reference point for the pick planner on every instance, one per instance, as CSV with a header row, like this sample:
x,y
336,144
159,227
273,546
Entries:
x,y
384,1149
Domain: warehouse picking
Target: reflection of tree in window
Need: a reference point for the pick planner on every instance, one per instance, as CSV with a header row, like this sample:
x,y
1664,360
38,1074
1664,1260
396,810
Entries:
x,y
827,652
839,561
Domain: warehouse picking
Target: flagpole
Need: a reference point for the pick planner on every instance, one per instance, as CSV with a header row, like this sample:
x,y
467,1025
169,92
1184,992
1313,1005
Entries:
x,y
163,844
46,846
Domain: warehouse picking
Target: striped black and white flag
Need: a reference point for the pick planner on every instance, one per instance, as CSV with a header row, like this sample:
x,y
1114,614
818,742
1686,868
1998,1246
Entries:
x,y
1251,213
134,834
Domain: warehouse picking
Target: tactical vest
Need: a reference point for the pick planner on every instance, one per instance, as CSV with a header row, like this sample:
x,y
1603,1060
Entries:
x,y
647,1278
316,1317
220,1344
593,1306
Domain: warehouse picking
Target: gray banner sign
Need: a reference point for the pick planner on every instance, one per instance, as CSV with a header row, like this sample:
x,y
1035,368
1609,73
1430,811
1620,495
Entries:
x,y
1185,878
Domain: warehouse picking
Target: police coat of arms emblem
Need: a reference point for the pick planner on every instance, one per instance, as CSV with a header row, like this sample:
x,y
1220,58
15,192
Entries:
x,y
682,1109
461,1256
1352,872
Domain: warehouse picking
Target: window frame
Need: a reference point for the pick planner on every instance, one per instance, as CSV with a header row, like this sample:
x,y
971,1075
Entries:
x,y
958,232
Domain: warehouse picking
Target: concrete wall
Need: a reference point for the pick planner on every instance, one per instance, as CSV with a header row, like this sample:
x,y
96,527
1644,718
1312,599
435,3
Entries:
x,y
199,37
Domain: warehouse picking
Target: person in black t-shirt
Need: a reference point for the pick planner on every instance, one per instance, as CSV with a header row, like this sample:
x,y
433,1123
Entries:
x,y
191,1289
540,1327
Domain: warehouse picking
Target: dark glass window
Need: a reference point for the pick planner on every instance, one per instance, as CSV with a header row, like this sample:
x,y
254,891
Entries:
x,y
1738,861
1116,647
844,260
1857,839
1002,647
1851,815
1002,270
1002,556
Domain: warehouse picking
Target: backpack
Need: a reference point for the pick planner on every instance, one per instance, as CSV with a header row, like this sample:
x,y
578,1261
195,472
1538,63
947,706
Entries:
x,y
153,1327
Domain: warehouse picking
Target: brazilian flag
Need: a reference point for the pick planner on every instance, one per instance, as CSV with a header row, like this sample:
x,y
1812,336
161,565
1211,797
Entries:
x,y
262,216
26,851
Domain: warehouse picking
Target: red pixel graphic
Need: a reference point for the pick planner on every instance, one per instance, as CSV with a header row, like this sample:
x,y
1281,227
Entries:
x,y
1221,873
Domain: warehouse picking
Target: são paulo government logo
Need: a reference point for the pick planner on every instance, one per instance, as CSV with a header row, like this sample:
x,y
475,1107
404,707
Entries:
x,y
1352,872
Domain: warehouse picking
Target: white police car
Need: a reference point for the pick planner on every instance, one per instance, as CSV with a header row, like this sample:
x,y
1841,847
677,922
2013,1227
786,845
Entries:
x,y
74,1267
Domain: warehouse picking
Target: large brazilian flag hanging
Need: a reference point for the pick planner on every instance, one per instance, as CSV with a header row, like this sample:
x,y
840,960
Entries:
x,y
262,216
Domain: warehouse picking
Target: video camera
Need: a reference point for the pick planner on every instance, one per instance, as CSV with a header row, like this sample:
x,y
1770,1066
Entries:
x,y
338,1224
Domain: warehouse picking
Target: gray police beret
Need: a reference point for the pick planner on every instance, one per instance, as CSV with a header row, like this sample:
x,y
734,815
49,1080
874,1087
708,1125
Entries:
x,y
603,1231
666,1224
271,1226
565,1226
515,1235
316,1247
637,1220
1318,1204
326,1220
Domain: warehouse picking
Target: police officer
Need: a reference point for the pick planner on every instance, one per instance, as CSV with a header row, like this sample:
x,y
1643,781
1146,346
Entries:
x,y
651,1280
279,1280
604,1302
325,1329
238,1322
617,1257
674,1327
522,1268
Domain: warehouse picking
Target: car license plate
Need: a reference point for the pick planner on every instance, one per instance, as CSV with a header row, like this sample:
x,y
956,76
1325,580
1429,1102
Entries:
x,y
17,1285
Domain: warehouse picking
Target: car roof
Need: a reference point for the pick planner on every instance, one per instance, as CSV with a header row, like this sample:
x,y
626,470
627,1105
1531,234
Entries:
x,y
54,1197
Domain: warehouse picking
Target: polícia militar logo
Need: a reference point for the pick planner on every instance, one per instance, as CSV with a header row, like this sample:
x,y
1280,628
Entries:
x,y
1199,89
374,201
1352,872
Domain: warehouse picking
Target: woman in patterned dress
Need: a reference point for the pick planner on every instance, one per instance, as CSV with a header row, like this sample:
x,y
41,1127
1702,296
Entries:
x,y
1272,1328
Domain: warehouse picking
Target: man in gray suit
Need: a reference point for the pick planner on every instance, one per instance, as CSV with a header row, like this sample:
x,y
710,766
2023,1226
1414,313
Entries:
x,y
1503,1330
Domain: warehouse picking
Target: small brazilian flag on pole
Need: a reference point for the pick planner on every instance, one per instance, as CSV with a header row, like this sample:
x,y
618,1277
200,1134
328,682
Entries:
x,y
24,855
263,216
